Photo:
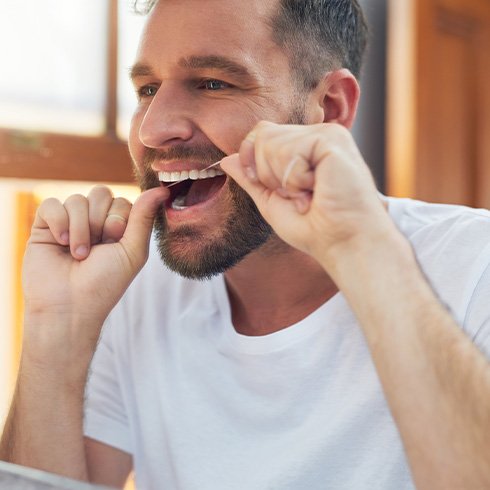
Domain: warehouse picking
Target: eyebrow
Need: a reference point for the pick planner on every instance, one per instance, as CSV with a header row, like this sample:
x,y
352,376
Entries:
x,y
140,70
221,63
215,62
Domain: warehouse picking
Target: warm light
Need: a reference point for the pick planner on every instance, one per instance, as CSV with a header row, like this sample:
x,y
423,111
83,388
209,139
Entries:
x,y
53,73
62,190
130,26
9,327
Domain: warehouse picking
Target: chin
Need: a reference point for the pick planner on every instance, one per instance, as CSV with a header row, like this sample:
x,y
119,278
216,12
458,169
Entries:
x,y
196,254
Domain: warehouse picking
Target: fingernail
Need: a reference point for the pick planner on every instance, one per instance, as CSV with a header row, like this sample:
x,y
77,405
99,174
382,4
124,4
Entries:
x,y
302,205
251,174
283,192
81,251
65,237
117,217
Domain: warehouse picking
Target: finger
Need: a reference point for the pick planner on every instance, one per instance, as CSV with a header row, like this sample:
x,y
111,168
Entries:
x,y
247,155
116,220
278,156
100,200
297,174
233,166
265,148
301,199
136,237
79,230
271,204
252,150
283,150
303,202
53,218
280,163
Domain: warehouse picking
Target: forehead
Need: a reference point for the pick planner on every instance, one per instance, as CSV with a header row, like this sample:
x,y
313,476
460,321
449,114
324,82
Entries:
x,y
238,29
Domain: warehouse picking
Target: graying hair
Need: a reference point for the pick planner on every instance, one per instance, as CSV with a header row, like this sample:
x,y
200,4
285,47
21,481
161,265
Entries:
x,y
318,35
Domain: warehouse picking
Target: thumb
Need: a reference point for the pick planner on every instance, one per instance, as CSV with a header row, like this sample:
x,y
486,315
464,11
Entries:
x,y
136,237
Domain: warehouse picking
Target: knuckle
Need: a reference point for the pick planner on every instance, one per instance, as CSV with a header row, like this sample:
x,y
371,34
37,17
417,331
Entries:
x,y
284,154
335,151
121,201
337,131
100,191
120,205
75,199
51,210
50,203
261,125
264,129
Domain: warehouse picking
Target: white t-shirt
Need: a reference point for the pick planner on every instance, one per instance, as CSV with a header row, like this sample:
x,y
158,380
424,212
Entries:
x,y
201,407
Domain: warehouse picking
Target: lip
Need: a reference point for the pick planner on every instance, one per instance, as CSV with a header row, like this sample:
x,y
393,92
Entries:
x,y
196,212
178,166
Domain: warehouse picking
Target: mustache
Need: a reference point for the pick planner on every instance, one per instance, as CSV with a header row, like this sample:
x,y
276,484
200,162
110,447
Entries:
x,y
207,154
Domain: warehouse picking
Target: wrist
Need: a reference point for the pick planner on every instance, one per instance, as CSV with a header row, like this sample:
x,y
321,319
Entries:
x,y
52,379
366,255
61,345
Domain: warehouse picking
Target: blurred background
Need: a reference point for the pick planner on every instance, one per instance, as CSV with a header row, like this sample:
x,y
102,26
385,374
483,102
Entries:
x,y
65,106
66,101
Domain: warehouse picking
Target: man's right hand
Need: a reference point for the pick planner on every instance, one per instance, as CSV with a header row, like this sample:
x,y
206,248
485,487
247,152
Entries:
x,y
80,258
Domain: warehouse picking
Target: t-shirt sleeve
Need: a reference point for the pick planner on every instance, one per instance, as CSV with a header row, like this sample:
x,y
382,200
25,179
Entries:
x,y
477,320
105,417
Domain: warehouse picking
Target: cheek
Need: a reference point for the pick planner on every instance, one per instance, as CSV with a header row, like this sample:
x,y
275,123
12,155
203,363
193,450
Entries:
x,y
136,148
229,129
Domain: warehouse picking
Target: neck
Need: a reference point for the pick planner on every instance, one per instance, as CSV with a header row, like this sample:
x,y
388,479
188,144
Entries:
x,y
274,288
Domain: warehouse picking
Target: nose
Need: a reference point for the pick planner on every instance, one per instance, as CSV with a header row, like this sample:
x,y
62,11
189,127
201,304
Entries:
x,y
168,118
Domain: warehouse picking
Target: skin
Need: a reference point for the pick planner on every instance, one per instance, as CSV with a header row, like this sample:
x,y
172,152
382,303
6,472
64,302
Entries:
x,y
191,110
333,232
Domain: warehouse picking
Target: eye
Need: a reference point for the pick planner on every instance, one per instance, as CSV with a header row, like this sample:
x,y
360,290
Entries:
x,y
146,91
214,85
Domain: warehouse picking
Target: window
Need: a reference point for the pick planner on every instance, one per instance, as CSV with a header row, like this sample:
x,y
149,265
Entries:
x,y
65,106
65,98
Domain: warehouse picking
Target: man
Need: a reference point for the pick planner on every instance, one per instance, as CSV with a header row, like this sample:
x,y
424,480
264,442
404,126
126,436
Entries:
x,y
321,357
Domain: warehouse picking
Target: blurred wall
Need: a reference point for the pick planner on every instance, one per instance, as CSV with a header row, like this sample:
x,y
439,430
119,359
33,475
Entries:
x,y
369,129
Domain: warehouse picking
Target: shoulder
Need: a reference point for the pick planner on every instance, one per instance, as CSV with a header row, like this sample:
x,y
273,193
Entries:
x,y
443,231
452,245
418,219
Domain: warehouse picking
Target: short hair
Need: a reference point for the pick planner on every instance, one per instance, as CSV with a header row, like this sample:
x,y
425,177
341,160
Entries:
x,y
317,35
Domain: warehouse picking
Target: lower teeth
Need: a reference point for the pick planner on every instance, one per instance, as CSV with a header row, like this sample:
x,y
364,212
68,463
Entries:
x,y
178,203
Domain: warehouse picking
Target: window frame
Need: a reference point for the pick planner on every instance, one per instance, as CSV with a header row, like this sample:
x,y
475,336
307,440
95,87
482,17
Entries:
x,y
30,154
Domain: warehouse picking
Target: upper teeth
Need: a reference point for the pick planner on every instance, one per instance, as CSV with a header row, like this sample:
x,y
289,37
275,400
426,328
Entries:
x,y
189,174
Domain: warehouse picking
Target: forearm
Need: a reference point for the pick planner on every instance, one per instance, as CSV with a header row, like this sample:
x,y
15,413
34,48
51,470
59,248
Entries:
x,y
436,381
44,429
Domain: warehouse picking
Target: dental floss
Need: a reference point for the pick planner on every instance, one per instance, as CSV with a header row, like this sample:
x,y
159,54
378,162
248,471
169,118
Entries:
x,y
288,171
182,180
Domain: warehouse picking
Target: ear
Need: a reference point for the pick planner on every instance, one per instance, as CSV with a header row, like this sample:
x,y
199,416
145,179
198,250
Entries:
x,y
338,96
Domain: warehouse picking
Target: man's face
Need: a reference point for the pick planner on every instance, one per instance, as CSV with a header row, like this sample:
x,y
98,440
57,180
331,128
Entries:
x,y
207,71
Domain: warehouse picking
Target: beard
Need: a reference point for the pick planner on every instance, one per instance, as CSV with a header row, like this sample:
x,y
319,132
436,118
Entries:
x,y
197,254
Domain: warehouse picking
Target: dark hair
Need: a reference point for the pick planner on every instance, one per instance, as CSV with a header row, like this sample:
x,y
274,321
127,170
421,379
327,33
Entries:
x,y
319,35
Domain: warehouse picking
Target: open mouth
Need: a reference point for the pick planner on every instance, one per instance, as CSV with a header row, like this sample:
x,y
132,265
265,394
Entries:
x,y
193,186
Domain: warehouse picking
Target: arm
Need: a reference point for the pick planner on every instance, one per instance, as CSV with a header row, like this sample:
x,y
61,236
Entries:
x,y
436,381
107,465
57,449
67,298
